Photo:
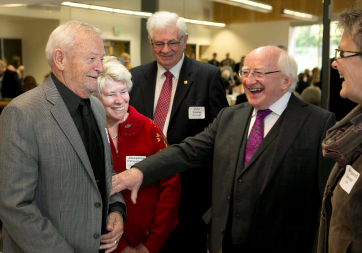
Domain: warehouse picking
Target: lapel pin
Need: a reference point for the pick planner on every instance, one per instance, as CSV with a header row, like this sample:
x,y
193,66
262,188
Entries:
x,y
128,126
185,82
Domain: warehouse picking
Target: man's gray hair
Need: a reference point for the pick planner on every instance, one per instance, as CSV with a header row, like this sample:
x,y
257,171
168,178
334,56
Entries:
x,y
113,71
64,37
350,21
289,68
164,19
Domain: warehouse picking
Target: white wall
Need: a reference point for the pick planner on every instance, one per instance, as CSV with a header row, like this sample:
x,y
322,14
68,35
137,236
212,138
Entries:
x,y
240,39
34,27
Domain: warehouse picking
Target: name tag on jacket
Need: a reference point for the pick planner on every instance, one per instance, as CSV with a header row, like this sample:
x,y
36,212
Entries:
x,y
349,179
196,112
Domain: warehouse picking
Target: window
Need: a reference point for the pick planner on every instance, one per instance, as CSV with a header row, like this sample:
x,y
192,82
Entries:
x,y
306,44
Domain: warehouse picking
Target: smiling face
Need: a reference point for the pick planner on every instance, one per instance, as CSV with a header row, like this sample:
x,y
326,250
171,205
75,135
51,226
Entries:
x,y
350,69
167,57
263,92
115,99
83,64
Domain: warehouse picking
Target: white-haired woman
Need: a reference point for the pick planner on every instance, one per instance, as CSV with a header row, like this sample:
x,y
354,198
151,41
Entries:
x,y
133,138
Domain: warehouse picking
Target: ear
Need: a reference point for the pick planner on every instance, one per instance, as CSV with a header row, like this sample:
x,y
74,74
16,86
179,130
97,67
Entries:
x,y
149,40
185,40
59,59
287,81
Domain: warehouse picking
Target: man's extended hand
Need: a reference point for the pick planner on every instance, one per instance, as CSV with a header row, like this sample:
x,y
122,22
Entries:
x,y
129,249
130,179
115,230
141,248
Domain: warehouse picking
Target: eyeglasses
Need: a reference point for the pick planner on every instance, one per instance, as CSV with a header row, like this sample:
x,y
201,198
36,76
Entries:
x,y
172,44
257,74
344,54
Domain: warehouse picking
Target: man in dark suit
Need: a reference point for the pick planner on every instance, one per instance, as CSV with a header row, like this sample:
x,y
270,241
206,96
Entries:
x,y
55,160
228,61
214,61
193,98
10,84
268,174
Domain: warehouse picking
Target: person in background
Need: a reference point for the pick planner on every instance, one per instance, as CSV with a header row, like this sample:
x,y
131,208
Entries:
x,y
10,84
182,96
192,56
268,170
341,218
214,61
228,61
312,95
15,65
29,83
135,137
239,65
127,60
55,159
301,85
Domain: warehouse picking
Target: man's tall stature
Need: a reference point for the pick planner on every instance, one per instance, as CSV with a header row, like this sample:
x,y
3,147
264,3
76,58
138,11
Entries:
x,y
182,96
55,160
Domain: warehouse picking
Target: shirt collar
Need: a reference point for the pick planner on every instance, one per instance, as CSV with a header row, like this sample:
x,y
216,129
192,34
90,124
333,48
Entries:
x,y
70,99
279,106
175,70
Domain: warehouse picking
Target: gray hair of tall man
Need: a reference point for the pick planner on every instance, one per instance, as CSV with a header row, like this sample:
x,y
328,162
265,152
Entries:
x,y
64,37
113,70
350,21
164,19
289,68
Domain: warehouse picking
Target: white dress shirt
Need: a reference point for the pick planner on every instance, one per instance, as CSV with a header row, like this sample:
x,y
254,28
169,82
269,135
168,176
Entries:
x,y
277,109
161,78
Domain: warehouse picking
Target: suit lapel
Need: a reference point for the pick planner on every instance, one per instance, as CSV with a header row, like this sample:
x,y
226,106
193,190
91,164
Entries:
x,y
148,89
239,125
184,83
294,118
105,139
66,123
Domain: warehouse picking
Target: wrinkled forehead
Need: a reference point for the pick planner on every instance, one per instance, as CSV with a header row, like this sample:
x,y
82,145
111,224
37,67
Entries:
x,y
261,59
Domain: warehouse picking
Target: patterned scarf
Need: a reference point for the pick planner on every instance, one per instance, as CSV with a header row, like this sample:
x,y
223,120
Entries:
x,y
343,142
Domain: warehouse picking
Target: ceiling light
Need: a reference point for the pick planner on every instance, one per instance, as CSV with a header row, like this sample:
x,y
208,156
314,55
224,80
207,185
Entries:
x,y
123,11
248,4
12,5
136,13
101,8
86,6
298,15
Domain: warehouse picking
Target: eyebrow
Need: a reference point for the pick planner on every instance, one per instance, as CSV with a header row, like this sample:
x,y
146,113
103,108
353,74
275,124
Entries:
x,y
256,68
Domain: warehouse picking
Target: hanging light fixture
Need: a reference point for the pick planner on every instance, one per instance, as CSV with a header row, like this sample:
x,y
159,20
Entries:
x,y
298,15
136,13
248,4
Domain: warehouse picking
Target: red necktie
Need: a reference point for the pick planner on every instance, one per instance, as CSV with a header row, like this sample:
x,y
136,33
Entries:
x,y
256,135
163,101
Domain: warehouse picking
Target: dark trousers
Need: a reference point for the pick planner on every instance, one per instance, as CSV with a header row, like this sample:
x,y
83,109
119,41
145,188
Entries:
x,y
188,237
229,247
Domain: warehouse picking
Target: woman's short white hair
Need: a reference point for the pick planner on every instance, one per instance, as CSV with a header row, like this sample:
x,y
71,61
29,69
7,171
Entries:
x,y
64,37
289,68
115,71
163,19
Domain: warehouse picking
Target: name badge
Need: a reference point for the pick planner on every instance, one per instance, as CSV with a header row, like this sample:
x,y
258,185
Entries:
x,y
107,134
196,112
349,178
132,160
